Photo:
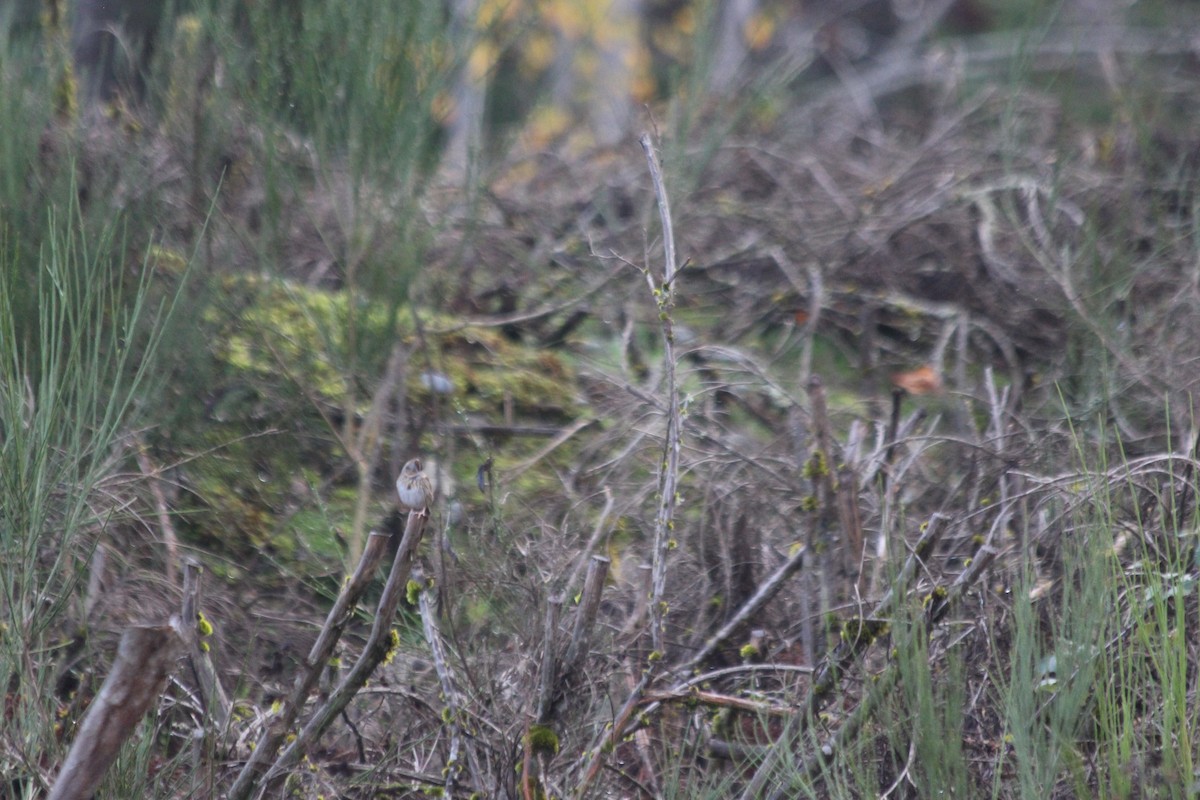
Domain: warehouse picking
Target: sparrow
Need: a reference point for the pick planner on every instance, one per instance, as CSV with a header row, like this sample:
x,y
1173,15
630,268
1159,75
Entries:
x,y
414,488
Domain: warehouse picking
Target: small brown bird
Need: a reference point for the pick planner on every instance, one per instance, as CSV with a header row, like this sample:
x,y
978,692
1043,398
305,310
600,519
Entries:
x,y
414,488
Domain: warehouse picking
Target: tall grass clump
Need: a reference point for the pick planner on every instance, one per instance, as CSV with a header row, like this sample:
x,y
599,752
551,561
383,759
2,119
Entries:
x,y
1052,669
927,742
1147,705
26,108
25,113
75,368
358,81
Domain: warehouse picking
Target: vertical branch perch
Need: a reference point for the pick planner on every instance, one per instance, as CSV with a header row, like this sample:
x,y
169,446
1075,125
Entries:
x,y
379,643
842,493
339,616
549,677
664,297
161,507
216,701
589,605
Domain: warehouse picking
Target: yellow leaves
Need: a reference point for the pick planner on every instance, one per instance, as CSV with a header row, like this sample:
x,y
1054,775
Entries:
x,y
546,125
567,17
758,31
496,12
482,59
538,52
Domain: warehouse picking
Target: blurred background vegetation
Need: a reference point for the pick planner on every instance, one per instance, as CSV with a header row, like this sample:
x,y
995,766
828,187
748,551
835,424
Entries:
x,y
256,255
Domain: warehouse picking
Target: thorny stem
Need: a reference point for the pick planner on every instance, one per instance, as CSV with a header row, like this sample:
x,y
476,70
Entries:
x,y
668,482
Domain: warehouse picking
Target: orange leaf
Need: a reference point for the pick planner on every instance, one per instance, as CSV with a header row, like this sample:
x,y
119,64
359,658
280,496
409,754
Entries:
x,y
922,380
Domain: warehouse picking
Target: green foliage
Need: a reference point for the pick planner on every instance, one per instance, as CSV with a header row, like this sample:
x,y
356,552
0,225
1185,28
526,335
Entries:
x,y
278,335
73,370
363,93
925,721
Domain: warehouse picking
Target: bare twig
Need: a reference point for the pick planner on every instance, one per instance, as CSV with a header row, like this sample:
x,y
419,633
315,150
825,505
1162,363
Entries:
x,y
768,589
715,699
561,437
366,442
664,523
537,313
600,529
161,508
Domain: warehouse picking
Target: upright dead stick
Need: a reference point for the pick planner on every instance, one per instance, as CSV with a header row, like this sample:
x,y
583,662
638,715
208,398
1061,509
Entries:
x,y
216,701
589,605
664,523
379,644
549,675
668,480
366,443
161,508
268,744
842,493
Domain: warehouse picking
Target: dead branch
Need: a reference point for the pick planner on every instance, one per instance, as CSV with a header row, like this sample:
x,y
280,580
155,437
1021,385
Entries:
x,y
379,643
212,693
145,657
585,619
715,699
664,296
841,493
597,754
335,623
768,589
549,676
161,508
